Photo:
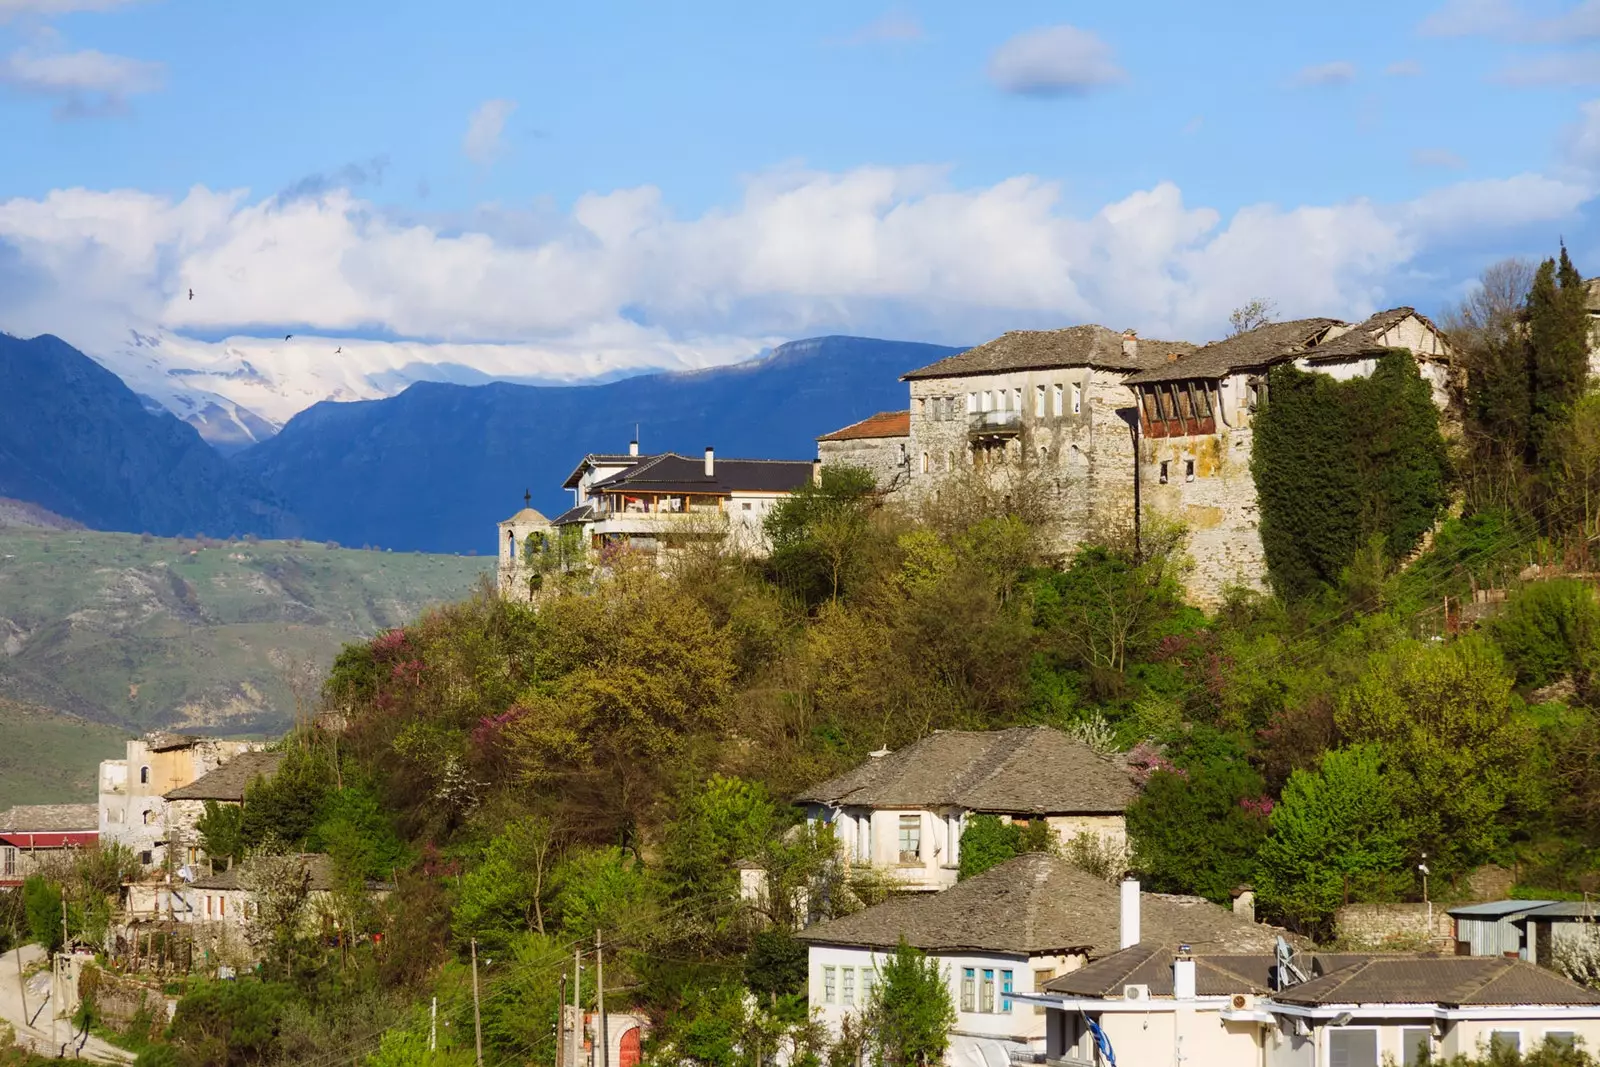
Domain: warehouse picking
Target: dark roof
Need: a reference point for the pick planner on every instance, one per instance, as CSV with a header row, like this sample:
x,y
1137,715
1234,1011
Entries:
x,y
1149,963
581,513
1581,910
1023,770
49,818
319,865
1035,904
1448,980
883,424
672,473
1075,346
1260,347
598,459
229,781
1496,909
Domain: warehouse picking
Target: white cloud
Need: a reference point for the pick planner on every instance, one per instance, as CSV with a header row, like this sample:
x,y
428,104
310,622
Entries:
x,y
1436,157
1554,68
1054,61
50,8
893,26
1404,68
1338,72
482,141
82,83
1581,140
1505,19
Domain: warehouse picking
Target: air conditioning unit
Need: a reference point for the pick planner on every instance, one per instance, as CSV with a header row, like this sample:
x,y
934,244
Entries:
x,y
1240,1002
1135,992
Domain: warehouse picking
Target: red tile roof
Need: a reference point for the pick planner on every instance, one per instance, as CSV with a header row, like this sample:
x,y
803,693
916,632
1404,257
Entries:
x,y
883,424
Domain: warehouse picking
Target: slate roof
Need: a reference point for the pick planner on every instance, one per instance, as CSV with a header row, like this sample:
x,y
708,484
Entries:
x,y
49,818
1076,346
883,424
229,781
1023,770
672,473
581,513
1363,339
1149,963
598,459
1448,980
1254,349
1036,904
319,865
1496,909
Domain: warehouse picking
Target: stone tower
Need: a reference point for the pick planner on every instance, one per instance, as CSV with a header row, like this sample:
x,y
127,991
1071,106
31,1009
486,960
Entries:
x,y
522,536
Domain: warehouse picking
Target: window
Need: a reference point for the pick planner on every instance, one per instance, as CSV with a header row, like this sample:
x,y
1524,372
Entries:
x,y
869,978
910,838
922,405
1163,472
745,506
1505,1041
1562,1038
830,979
985,400
208,905
986,992
1038,401
144,775
902,460
1044,453
949,461
147,857
1077,399
114,815
972,403
924,463
1005,992
849,988
1016,400
147,815
969,996
8,861
1040,977
222,906
1416,1046
1188,470
1352,1048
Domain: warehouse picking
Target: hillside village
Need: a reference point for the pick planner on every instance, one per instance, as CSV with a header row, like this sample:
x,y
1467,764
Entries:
x,y
1039,722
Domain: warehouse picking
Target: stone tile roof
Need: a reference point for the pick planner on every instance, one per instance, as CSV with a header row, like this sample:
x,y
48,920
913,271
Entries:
x,y
883,424
1076,346
1364,338
1036,904
672,473
1149,963
1020,771
49,818
162,741
1449,980
1260,347
318,865
229,781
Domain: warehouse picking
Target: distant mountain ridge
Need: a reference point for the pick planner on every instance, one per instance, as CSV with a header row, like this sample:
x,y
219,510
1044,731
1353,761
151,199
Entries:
x,y
434,468
75,440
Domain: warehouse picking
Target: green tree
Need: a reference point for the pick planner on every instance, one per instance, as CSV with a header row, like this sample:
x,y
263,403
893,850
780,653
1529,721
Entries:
x,y
988,841
230,1024
818,531
775,964
1558,343
287,806
909,1015
42,900
1197,830
353,828
1551,630
1457,742
604,888
719,823
1336,831
505,894
222,833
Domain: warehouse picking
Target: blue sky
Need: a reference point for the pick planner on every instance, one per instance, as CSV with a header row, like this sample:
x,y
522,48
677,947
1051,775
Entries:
x,y
637,175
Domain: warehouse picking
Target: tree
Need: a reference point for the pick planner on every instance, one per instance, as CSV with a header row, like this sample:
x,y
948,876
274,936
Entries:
x,y
818,531
987,842
1196,830
721,822
1488,331
230,1024
1551,630
42,900
1456,741
1335,831
909,1015
604,888
775,965
505,894
1246,317
222,832
1558,343
287,806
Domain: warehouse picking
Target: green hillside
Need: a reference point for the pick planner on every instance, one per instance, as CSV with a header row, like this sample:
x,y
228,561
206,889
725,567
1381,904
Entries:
x,y
142,632
50,758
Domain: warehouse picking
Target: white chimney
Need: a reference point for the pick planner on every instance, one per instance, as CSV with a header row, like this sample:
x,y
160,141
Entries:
x,y
1183,975
633,448
1129,926
711,462
816,471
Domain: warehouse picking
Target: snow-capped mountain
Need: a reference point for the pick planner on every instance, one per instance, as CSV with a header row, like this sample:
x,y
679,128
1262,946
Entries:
x,y
242,390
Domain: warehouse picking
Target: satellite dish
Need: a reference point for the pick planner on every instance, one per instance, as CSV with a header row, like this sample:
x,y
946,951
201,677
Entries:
x,y
185,873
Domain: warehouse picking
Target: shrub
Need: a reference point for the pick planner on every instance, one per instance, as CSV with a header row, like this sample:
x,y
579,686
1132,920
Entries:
x,y
1550,630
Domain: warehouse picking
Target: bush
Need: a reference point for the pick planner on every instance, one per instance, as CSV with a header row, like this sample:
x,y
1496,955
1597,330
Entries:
x,y
1550,630
224,1024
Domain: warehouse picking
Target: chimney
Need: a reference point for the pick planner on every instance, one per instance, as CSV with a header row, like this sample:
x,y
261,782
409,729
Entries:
x,y
633,447
1244,903
1172,357
1128,927
816,472
1183,975
711,462
1130,343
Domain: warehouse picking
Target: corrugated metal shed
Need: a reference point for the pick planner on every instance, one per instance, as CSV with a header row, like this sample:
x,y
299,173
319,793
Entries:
x,y
1495,928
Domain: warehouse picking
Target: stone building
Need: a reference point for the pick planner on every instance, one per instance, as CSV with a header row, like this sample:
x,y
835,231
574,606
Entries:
x,y
1195,436
1053,400
880,444
132,794
522,538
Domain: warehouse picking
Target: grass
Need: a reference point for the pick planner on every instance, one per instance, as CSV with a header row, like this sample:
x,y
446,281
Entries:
x,y
103,635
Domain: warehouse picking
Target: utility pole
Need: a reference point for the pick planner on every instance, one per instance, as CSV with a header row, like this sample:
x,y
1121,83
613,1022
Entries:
x,y
561,1023
22,986
600,1029
477,1018
577,1009
433,1027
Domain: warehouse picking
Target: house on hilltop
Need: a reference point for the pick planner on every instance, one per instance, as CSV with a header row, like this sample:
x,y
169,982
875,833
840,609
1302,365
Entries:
x,y
905,811
132,794
226,785
880,444
1005,934
33,835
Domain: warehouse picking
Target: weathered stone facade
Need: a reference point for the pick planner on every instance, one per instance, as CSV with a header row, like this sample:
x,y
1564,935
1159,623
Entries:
x,y
521,535
880,444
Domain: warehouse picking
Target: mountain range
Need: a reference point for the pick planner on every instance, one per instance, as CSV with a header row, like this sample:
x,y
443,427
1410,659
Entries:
x,y
430,469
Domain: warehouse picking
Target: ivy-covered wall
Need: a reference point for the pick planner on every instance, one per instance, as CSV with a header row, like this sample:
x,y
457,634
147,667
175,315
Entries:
x,y
1337,462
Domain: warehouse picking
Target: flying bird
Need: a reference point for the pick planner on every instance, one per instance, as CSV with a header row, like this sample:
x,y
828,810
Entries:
x,y
287,336
336,351
191,294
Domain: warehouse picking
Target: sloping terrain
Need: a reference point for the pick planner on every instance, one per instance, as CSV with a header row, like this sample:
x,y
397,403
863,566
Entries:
x,y
141,632
50,758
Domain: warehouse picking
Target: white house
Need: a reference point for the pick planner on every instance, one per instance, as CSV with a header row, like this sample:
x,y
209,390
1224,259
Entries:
x,y
1157,1003
1004,934
905,811
133,808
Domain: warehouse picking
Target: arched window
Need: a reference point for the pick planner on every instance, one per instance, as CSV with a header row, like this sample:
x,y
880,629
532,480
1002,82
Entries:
x,y
144,775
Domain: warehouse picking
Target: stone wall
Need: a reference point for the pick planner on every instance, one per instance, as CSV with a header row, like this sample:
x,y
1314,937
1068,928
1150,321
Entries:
x,y
888,458
1393,925
1209,489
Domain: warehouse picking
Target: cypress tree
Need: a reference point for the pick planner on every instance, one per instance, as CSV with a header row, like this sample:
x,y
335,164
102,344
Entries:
x,y
1558,344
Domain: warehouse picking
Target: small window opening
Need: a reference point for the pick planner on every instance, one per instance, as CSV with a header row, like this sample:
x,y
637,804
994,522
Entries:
x,y
1077,399
1038,401
1056,401
1163,472
144,775
1188,470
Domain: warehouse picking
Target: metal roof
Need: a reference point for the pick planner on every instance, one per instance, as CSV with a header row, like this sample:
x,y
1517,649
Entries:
x,y
1495,909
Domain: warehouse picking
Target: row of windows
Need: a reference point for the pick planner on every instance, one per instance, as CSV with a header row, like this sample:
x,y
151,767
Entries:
x,y
978,990
1354,1046
835,993
1054,400
1178,401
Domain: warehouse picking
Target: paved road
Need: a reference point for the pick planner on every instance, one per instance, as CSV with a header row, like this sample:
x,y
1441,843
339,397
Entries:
x,y
38,1033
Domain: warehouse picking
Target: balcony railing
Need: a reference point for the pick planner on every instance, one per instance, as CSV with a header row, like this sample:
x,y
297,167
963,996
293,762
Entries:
x,y
990,423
